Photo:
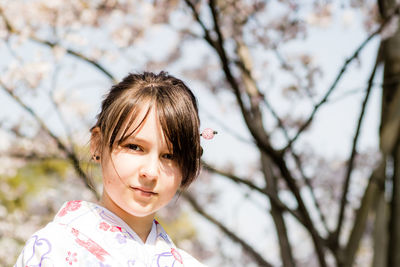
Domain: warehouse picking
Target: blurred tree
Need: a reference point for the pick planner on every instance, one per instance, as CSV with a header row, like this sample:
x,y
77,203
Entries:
x,y
242,50
390,142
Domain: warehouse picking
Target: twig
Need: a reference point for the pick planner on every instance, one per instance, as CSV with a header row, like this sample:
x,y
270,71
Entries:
x,y
94,63
289,68
78,55
227,129
311,189
242,66
33,156
71,156
350,164
273,198
58,110
206,31
247,247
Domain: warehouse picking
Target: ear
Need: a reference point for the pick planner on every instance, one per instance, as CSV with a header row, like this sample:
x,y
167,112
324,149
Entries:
x,y
95,144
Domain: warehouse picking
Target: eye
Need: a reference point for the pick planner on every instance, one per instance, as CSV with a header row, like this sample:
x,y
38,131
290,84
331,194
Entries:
x,y
168,156
133,147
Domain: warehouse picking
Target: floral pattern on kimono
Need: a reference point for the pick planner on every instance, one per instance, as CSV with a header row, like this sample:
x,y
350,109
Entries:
x,y
86,234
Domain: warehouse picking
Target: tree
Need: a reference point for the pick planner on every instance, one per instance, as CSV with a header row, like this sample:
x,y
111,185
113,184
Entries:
x,y
242,46
390,136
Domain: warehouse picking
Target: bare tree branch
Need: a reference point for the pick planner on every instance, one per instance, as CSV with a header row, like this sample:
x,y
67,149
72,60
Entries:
x,y
229,130
207,35
247,247
341,72
350,164
244,64
247,72
311,189
252,83
80,56
272,197
70,155
32,156
285,65
218,47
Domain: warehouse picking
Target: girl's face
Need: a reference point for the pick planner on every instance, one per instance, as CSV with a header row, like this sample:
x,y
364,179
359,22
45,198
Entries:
x,y
140,176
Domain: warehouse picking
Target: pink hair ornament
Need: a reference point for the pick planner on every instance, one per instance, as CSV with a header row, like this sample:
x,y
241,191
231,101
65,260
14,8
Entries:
x,y
208,133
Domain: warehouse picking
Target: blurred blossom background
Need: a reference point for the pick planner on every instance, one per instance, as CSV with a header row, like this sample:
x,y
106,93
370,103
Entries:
x,y
305,96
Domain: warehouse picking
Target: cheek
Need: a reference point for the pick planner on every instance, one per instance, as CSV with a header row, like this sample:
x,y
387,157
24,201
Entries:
x,y
176,180
170,180
179,177
119,168
108,175
174,172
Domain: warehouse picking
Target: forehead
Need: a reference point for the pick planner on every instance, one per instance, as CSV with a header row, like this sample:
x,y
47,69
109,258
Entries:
x,y
144,124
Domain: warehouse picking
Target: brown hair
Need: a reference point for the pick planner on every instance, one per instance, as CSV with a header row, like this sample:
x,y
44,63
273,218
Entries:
x,y
176,108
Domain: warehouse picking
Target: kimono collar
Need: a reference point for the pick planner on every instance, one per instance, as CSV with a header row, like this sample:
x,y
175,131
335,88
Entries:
x,y
83,215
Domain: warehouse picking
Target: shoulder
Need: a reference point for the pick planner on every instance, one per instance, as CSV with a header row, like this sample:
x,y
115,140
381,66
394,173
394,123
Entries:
x,y
52,232
53,242
189,260
44,246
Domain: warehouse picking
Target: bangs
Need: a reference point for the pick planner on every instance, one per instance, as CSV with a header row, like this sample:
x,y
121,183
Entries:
x,y
127,116
170,128
123,134
179,124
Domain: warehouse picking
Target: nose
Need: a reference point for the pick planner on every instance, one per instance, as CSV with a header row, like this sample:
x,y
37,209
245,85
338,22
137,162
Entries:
x,y
150,167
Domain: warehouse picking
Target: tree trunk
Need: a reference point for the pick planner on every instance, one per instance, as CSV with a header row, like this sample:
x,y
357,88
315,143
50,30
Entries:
x,y
394,223
380,234
277,214
389,132
374,193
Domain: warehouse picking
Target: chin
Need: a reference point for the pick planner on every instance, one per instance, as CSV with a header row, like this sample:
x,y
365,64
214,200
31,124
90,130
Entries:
x,y
141,213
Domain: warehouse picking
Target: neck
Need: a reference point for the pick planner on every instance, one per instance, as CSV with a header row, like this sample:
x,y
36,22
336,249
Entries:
x,y
140,225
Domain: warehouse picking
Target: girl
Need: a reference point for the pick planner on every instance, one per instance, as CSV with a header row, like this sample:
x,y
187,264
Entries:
x,y
147,143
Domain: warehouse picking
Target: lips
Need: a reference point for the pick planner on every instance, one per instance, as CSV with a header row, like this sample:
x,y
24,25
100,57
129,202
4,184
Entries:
x,y
143,191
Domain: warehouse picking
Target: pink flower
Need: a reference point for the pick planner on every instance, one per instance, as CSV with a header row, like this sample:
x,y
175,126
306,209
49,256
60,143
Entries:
x,y
70,206
104,226
115,229
75,232
74,205
71,258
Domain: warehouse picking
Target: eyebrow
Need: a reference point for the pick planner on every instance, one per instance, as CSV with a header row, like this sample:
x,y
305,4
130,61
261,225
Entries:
x,y
137,139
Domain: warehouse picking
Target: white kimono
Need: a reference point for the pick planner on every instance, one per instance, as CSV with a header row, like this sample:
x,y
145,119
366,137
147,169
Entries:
x,y
86,234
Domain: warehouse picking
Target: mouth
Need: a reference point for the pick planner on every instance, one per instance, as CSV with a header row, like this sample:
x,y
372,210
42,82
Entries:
x,y
143,191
